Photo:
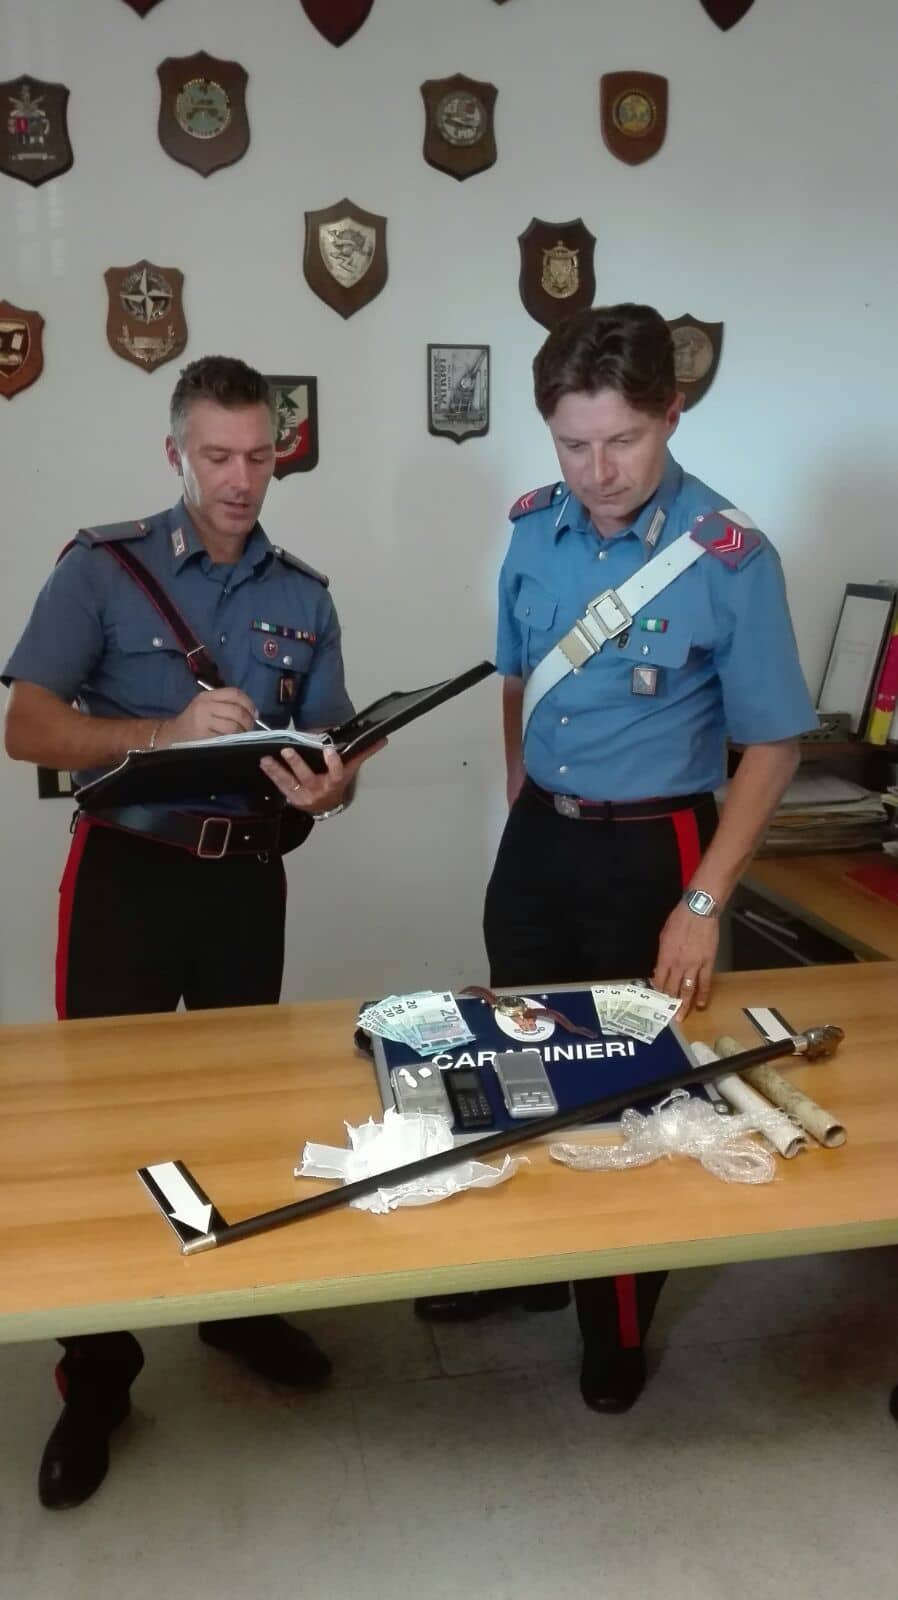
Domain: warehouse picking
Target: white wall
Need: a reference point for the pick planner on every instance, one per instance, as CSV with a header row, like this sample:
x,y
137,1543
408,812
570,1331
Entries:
x,y
771,207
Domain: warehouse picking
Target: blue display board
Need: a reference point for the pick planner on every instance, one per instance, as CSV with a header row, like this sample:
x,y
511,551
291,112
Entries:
x,y
579,1069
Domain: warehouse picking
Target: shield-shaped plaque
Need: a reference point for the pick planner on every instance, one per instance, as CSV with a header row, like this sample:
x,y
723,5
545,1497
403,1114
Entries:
x,y
142,7
345,259
697,347
557,271
146,321
726,13
21,348
338,20
634,114
458,380
296,443
202,114
459,137
34,139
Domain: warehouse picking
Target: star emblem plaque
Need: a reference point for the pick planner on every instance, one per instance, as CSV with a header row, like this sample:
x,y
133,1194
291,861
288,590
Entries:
x,y
146,322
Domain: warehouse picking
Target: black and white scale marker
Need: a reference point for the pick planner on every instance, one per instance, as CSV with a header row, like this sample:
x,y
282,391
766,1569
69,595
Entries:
x,y
184,1204
770,1023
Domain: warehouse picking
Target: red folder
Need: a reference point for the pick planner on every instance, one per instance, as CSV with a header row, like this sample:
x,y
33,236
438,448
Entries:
x,y
880,877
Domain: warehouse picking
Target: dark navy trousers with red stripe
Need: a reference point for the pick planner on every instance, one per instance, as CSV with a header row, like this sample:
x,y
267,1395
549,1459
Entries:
x,y
142,926
580,901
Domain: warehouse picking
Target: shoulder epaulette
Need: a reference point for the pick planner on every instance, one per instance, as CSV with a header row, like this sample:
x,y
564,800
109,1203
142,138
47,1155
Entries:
x,y
537,500
113,532
301,566
729,535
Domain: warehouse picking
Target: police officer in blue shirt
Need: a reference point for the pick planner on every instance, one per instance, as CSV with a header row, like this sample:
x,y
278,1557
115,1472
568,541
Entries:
x,y
642,622
163,904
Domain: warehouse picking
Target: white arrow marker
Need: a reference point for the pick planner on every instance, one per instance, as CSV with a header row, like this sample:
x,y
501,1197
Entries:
x,y
186,1204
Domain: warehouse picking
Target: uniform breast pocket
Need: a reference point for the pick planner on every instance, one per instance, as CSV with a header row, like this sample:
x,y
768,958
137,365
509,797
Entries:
x,y
278,667
151,669
661,655
535,610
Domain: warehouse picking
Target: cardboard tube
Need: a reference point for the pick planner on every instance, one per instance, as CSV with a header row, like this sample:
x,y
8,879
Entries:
x,y
782,1134
820,1124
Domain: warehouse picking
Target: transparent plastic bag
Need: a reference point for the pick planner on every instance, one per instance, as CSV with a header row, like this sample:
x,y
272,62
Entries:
x,y
680,1126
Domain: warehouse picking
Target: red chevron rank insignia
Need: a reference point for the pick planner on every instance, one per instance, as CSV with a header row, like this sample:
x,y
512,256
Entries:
x,y
536,500
726,540
730,543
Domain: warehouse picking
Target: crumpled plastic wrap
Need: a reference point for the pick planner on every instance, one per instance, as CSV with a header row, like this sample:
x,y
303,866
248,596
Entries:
x,y
380,1146
680,1126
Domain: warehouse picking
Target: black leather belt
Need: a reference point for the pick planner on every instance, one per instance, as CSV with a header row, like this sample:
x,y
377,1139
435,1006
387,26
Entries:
x,y
210,838
568,805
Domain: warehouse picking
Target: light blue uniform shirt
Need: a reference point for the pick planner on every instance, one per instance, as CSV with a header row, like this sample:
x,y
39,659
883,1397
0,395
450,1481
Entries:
x,y
727,662
95,639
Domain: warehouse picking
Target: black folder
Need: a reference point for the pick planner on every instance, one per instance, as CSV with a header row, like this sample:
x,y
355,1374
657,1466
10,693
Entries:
x,y
210,768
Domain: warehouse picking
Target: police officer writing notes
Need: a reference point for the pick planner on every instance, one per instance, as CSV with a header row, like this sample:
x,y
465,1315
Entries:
x,y
159,905
642,622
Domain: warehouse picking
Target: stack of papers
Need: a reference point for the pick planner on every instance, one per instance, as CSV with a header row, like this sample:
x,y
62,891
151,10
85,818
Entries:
x,y
820,811
427,1022
633,1009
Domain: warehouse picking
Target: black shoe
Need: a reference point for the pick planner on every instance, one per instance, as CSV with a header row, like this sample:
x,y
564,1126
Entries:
x,y
612,1382
893,1403
270,1347
477,1303
76,1456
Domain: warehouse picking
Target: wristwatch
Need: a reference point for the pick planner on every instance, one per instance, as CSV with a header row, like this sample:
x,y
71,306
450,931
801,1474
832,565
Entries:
x,y
701,902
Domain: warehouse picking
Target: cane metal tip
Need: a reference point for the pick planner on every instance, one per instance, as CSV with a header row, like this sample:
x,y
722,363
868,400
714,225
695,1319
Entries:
x,y
205,1241
823,1041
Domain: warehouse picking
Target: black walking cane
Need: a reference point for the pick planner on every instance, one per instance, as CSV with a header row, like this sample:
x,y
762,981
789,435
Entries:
x,y
813,1045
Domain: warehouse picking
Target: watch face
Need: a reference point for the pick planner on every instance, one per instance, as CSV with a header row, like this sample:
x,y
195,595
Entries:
x,y
700,902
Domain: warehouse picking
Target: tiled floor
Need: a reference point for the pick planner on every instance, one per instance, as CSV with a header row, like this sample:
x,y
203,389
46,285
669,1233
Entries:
x,y
761,1461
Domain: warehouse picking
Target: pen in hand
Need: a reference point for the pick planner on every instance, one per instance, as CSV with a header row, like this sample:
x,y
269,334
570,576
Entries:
x,y
259,724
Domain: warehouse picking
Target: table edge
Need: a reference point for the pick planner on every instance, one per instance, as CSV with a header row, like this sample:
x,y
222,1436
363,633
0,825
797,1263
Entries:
x,y
332,1293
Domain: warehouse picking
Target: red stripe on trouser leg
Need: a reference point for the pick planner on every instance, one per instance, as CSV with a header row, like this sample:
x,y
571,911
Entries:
x,y
685,828
628,1334
66,904
62,1382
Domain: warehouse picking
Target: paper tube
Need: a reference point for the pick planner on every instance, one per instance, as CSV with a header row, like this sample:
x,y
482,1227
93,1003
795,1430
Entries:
x,y
785,1138
822,1125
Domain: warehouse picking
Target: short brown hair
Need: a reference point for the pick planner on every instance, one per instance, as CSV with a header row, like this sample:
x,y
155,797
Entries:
x,y
627,348
224,379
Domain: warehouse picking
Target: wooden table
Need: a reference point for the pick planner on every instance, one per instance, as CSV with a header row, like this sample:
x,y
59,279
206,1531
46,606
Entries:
x,y
235,1094
818,887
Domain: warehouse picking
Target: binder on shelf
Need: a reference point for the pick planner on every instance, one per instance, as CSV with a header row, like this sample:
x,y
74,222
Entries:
x,y
205,769
856,652
885,694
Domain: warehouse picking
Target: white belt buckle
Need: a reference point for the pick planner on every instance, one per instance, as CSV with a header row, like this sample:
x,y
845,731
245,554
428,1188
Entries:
x,y
566,805
609,611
